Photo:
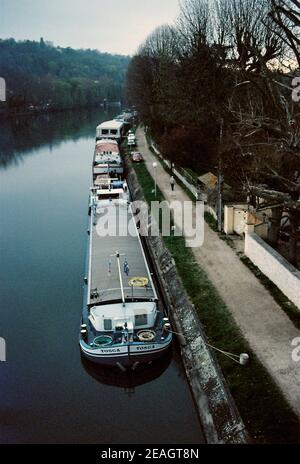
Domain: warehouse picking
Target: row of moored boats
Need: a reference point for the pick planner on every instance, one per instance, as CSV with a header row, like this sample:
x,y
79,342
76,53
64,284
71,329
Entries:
x,y
123,318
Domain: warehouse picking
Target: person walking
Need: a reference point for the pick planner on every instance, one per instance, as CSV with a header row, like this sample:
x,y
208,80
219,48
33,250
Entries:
x,y
172,182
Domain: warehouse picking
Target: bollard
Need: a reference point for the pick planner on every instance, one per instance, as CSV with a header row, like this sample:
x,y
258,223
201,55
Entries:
x,y
244,359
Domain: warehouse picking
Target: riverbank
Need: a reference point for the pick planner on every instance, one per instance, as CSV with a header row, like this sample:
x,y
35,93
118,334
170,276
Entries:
x,y
219,416
265,408
44,111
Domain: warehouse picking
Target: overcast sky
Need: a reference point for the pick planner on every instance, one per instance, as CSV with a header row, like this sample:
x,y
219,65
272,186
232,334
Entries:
x,y
115,26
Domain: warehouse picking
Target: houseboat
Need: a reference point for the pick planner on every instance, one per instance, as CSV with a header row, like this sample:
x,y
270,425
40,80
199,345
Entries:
x,y
107,158
114,130
123,320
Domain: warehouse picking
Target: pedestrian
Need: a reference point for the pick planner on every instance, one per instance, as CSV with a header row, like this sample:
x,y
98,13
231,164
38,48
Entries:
x,y
172,182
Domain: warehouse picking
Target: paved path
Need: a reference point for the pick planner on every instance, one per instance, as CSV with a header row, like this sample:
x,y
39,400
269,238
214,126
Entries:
x,y
263,323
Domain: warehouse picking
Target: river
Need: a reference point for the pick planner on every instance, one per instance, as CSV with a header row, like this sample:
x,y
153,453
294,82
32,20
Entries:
x,y
48,395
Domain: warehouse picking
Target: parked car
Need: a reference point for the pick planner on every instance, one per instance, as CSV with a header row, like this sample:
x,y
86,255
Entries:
x,y
137,157
131,141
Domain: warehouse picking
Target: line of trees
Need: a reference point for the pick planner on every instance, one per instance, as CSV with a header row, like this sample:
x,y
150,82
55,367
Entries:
x,y
39,74
218,85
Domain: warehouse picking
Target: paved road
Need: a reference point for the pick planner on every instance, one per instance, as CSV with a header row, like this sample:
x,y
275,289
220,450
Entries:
x,y
263,323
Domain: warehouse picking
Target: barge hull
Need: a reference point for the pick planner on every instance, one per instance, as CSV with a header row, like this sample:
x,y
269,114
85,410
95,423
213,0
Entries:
x,y
127,356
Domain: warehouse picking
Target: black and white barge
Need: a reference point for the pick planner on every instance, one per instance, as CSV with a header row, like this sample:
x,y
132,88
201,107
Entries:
x,y
123,320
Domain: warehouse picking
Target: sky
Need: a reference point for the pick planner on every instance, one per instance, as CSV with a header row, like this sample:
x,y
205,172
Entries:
x,y
113,26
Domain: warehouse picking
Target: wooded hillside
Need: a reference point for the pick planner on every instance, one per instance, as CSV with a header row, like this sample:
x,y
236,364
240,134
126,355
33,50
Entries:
x,y
40,74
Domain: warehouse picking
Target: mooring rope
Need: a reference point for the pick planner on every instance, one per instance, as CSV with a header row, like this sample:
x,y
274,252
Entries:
x,y
234,357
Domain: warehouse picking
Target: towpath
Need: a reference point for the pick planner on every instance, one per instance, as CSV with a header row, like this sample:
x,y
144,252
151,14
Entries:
x,y
263,323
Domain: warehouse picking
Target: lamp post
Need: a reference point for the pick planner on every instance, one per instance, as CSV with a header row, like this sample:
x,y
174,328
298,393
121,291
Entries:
x,y
220,179
154,167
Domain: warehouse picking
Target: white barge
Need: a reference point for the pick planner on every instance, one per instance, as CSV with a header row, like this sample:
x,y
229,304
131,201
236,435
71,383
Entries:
x,y
123,321
114,130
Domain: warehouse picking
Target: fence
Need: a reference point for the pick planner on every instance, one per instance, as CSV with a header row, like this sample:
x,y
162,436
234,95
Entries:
x,y
185,177
182,174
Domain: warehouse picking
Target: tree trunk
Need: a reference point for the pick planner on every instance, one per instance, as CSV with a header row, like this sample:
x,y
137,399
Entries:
x,y
295,222
275,226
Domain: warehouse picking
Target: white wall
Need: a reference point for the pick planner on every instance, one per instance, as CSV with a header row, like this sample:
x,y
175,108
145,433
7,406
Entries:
x,y
235,219
274,266
228,219
262,230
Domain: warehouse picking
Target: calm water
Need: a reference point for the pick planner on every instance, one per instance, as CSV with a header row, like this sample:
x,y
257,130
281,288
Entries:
x,y
46,393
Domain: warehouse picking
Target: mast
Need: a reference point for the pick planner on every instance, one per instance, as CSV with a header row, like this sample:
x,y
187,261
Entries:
x,y
120,277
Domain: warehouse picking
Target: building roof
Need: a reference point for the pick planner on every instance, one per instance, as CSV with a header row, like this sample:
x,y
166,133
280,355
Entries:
x,y
103,141
208,179
107,146
111,125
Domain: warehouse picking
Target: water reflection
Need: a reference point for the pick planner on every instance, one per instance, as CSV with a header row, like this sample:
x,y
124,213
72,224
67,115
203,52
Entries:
x,y
21,135
128,380
47,394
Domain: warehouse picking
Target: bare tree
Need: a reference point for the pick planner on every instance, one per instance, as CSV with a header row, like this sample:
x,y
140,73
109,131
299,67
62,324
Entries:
x,y
285,14
223,61
194,25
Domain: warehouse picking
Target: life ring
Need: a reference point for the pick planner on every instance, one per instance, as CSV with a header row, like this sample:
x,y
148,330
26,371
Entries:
x,y
138,282
102,341
146,335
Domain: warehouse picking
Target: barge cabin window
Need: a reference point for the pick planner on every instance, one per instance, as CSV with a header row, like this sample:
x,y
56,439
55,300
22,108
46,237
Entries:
x,y
107,324
141,319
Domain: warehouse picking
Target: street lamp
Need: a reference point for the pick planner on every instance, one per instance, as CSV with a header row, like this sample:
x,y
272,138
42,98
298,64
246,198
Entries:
x,y
220,179
154,167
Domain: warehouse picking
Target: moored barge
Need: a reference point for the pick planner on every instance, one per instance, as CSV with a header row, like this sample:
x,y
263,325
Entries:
x,y
123,320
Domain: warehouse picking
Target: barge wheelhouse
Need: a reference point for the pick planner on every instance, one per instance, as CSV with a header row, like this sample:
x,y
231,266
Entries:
x,y
110,130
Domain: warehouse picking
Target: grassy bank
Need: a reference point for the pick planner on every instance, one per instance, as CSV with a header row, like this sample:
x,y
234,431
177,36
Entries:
x,y
265,412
